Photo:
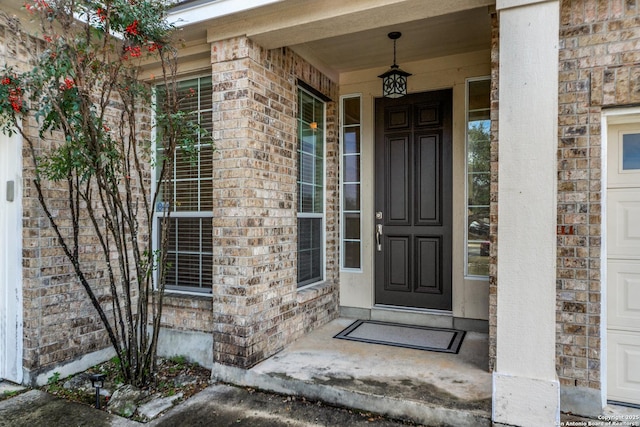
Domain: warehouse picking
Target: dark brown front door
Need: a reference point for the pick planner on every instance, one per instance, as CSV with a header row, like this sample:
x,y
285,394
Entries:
x,y
413,201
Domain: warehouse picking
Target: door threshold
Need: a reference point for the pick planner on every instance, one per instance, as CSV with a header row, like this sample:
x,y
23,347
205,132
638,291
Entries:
x,y
412,316
413,310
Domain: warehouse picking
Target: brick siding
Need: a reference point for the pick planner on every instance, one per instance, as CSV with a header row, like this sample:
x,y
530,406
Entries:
x,y
257,309
599,67
493,203
59,322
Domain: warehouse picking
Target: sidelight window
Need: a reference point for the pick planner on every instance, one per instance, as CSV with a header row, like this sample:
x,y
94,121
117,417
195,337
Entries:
x,y
478,176
351,229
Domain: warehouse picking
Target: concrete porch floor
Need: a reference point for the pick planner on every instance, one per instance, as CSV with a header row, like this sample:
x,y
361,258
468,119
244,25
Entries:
x,y
425,387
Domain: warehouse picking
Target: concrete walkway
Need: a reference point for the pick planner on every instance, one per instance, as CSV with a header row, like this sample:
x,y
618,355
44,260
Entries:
x,y
217,406
427,388
424,387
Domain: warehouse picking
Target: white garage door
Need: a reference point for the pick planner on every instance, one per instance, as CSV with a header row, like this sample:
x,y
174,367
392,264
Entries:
x,y
623,264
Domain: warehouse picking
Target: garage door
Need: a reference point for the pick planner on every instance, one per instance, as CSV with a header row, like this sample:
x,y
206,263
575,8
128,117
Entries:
x,y
623,264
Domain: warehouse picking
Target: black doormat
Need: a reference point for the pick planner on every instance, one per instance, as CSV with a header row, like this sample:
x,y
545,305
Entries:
x,y
409,336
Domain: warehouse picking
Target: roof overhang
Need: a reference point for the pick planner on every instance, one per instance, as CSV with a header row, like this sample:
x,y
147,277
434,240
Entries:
x,y
339,35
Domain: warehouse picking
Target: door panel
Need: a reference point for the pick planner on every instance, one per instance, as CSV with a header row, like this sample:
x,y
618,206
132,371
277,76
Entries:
x,y
427,192
623,263
413,195
428,251
397,160
624,367
397,264
623,238
624,304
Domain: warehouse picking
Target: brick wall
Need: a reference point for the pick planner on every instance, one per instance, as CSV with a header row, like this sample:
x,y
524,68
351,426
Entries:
x,y
256,307
493,204
599,67
59,322
187,313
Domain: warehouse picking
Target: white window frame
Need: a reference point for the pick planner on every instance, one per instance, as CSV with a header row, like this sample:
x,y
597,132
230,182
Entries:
x,y
466,178
343,212
158,215
323,215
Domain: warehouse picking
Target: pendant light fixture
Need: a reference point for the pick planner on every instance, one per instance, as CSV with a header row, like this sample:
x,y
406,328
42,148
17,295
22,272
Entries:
x,y
394,81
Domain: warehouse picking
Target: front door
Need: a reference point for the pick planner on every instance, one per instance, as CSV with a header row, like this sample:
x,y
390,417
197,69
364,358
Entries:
x,y
413,201
623,264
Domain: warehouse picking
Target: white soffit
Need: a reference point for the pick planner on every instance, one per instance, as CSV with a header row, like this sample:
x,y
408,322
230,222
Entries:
x,y
196,11
293,22
339,36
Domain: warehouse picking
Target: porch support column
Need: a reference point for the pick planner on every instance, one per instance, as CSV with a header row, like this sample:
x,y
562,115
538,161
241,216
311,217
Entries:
x,y
254,215
526,390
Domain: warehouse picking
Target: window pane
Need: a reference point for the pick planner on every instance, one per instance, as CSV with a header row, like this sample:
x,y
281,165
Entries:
x,y
206,195
478,146
186,198
479,115
206,161
189,252
351,197
351,140
351,111
479,186
478,258
307,168
206,121
186,166
352,168
352,226
479,94
478,220
306,107
309,250
351,254
631,151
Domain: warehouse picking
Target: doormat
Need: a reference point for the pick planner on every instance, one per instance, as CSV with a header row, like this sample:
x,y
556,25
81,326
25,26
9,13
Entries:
x,y
408,336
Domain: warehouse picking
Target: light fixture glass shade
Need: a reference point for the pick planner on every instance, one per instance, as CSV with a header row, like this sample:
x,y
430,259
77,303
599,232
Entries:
x,y
394,82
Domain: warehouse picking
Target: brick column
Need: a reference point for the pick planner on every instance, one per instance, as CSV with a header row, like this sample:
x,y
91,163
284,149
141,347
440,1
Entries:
x,y
254,216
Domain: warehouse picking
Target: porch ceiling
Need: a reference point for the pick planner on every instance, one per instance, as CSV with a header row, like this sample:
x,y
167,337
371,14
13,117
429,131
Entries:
x,y
341,35
443,35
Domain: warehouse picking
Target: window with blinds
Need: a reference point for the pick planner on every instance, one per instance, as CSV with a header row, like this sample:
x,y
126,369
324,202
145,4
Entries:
x,y
311,124
188,195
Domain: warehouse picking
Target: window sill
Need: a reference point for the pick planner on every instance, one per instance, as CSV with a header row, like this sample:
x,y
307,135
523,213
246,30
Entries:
x,y
311,292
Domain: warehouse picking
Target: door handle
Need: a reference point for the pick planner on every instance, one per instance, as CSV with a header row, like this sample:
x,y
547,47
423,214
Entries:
x,y
378,236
